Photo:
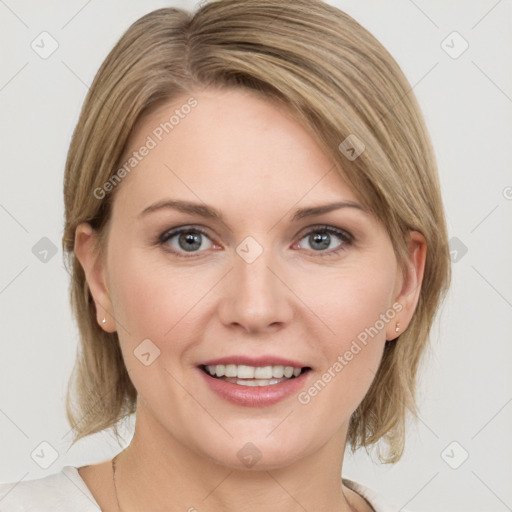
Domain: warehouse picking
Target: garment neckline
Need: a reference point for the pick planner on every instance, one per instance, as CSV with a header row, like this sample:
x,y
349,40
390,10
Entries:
x,y
72,471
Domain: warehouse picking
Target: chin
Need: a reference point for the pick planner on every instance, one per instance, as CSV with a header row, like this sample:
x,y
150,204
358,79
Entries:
x,y
259,454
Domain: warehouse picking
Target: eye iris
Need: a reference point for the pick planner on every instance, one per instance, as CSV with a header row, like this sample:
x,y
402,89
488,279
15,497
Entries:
x,y
190,241
322,239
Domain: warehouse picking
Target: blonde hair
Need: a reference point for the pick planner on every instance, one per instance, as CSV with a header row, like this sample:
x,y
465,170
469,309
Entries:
x,y
339,81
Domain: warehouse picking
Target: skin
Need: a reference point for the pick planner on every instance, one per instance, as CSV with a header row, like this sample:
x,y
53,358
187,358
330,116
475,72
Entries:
x,y
250,159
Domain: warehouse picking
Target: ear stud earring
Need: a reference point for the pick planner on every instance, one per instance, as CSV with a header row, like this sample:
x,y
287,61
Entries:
x,y
397,327
104,320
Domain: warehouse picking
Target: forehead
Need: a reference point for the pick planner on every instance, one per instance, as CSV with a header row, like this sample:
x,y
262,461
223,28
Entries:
x,y
231,148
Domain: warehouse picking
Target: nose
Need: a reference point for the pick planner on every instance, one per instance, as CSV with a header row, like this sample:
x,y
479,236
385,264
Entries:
x,y
256,296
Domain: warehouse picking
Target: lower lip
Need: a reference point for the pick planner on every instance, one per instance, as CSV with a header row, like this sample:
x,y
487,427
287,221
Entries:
x,y
257,396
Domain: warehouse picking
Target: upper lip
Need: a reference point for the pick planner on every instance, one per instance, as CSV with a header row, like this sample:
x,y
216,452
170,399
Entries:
x,y
267,360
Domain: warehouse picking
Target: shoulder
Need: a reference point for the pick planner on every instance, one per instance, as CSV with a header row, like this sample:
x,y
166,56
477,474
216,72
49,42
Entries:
x,y
376,500
59,492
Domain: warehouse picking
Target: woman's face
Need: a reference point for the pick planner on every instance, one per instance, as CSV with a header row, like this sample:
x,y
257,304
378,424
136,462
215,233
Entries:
x,y
271,283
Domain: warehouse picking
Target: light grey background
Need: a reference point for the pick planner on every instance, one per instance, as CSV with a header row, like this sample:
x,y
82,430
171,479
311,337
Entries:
x,y
465,393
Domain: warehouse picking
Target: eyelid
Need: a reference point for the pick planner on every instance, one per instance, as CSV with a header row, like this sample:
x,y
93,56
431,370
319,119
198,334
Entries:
x,y
172,232
328,228
347,237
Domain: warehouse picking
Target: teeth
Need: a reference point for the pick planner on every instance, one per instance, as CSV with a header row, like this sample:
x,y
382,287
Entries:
x,y
242,371
278,372
263,372
245,372
259,382
231,370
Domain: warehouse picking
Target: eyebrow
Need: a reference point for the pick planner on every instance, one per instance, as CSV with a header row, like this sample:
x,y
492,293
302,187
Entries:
x,y
209,212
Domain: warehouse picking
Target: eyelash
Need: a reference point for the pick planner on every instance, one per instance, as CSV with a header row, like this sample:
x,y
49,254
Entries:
x,y
346,238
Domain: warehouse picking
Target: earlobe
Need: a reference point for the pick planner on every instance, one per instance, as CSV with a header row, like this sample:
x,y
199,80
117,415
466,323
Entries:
x,y
94,269
410,283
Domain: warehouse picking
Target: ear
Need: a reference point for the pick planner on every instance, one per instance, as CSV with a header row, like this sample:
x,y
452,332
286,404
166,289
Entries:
x,y
95,271
408,284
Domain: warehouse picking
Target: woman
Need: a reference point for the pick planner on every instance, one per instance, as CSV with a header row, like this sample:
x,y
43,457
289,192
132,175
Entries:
x,y
258,249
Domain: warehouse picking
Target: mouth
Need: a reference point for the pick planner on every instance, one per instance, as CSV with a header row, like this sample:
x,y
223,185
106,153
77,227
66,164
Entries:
x,y
253,376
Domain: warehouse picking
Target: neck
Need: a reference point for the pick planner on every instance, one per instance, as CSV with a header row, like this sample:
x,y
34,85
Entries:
x,y
156,472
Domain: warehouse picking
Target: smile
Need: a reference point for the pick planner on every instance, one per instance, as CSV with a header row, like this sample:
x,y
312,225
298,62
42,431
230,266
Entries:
x,y
244,375
254,386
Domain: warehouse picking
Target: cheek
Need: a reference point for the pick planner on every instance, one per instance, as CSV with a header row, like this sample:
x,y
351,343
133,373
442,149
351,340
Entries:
x,y
355,305
351,298
153,302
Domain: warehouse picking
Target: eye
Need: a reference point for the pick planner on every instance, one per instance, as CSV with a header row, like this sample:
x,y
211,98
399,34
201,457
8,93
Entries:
x,y
321,238
185,239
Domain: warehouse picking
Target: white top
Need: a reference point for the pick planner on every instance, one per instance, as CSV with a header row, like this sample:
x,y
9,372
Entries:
x,y
66,491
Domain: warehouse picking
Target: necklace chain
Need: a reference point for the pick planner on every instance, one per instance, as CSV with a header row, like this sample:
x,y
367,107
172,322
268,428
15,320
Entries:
x,y
114,478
